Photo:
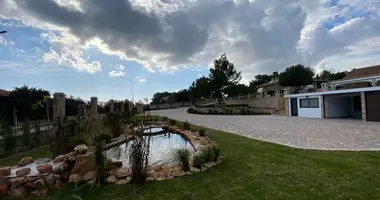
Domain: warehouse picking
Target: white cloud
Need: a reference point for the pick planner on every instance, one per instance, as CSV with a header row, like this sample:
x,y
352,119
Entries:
x,y
141,79
258,36
115,73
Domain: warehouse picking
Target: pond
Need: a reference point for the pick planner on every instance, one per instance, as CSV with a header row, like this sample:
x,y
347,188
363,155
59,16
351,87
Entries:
x,y
163,149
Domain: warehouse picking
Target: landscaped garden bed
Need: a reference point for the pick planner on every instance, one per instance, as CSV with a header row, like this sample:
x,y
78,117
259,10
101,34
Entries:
x,y
35,177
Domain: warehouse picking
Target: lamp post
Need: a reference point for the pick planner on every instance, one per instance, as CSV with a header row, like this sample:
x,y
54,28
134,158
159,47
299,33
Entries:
x,y
112,90
130,80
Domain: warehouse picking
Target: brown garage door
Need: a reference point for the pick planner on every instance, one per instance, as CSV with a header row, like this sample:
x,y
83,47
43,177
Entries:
x,y
373,106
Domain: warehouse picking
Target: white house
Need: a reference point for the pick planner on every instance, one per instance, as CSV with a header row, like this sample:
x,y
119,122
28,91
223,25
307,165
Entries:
x,y
357,96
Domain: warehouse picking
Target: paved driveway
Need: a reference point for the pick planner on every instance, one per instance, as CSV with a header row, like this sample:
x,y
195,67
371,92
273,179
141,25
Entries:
x,y
306,133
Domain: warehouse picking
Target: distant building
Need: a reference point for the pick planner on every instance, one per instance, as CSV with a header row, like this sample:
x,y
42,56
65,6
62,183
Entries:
x,y
357,78
4,93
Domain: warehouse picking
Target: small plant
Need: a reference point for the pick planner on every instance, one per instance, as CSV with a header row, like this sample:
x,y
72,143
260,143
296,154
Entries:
x,y
138,158
216,152
183,156
99,158
37,134
202,131
165,119
186,125
26,133
172,122
198,161
114,122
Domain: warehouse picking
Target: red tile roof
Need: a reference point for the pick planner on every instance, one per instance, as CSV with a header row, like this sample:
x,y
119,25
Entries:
x,y
5,92
363,72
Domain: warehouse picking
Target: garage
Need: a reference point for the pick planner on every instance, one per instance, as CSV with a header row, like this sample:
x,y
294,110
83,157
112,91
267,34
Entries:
x,y
373,106
342,106
358,103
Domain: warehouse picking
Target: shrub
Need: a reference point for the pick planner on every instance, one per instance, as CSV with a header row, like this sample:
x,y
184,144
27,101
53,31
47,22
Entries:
x,y
202,131
10,143
26,133
198,161
216,152
172,122
100,172
138,158
165,119
192,110
183,156
37,134
114,122
186,125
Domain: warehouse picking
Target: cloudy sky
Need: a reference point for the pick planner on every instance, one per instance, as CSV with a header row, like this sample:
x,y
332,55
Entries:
x,y
82,47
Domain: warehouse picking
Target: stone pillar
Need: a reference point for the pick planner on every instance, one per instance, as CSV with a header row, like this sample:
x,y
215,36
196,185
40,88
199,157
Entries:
x,y
322,107
59,105
112,108
364,107
122,106
287,106
94,105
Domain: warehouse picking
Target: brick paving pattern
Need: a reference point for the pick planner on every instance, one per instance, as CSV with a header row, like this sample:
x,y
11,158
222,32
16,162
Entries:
x,y
305,133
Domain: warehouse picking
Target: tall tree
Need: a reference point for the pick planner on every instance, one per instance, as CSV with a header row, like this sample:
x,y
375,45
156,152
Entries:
x,y
327,76
200,88
223,75
296,75
236,90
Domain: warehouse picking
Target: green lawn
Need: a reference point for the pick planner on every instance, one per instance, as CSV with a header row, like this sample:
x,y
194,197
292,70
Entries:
x,y
40,152
259,170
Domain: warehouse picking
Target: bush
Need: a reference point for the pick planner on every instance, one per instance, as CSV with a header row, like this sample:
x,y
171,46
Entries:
x,y
198,161
216,152
192,110
202,131
10,143
26,133
172,122
183,156
165,119
37,134
114,122
186,125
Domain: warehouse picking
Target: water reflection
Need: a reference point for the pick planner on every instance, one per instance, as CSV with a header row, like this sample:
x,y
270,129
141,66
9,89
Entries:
x,y
153,130
163,149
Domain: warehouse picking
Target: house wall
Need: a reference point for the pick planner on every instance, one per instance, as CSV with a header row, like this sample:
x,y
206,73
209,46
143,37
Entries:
x,y
309,112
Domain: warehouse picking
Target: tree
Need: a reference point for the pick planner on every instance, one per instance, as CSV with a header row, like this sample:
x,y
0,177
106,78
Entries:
x,y
296,75
236,90
23,98
326,76
223,75
200,88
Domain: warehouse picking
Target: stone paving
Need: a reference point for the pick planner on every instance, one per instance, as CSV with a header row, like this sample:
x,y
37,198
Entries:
x,y
305,133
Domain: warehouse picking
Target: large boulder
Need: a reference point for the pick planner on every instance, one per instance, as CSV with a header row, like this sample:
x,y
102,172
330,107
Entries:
x,y
177,173
122,172
18,193
194,169
23,172
61,168
111,179
59,158
81,149
25,161
210,164
83,163
74,178
39,193
121,182
15,182
50,179
39,184
88,176
5,171
44,168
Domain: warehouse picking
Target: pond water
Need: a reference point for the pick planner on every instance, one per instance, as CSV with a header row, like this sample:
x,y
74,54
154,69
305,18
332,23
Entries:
x,y
162,150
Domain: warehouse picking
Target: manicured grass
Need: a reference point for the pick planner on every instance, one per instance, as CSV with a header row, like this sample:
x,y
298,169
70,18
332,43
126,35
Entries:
x,y
40,152
258,170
